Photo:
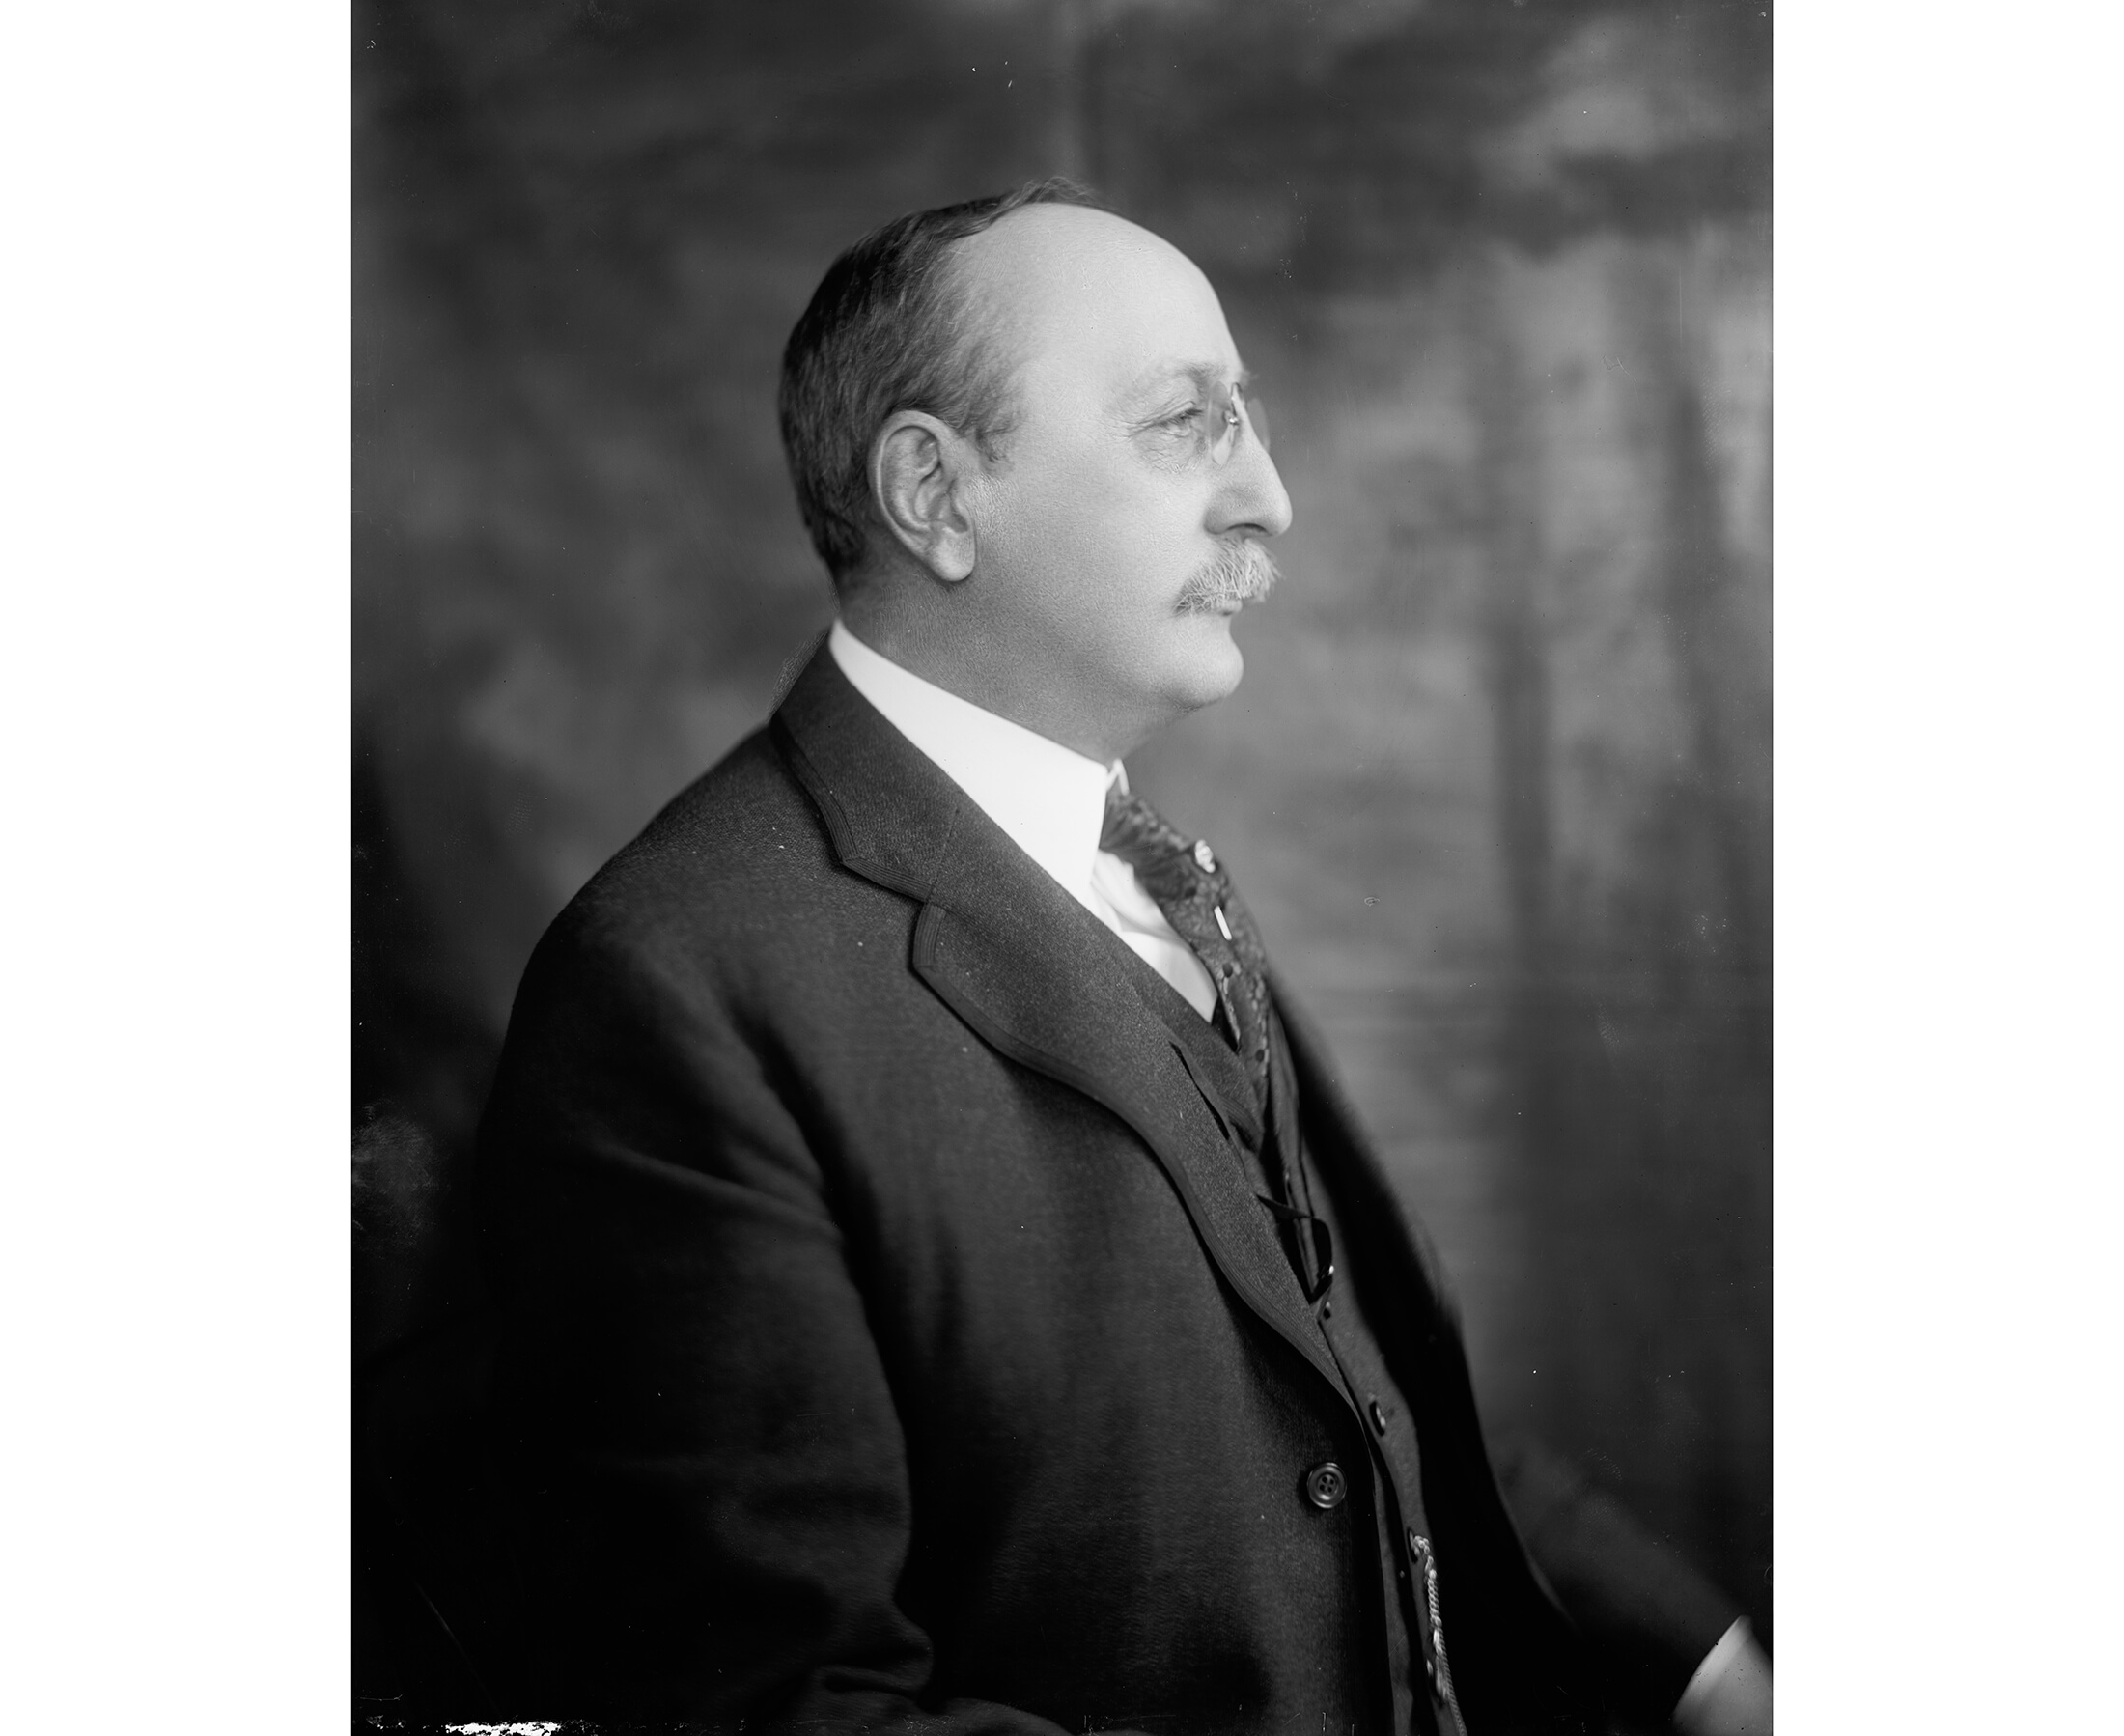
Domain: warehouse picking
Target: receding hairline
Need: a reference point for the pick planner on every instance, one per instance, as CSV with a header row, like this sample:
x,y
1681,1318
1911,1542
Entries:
x,y
979,267
1018,240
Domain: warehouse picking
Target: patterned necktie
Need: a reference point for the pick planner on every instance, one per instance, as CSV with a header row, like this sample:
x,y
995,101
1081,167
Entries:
x,y
1194,894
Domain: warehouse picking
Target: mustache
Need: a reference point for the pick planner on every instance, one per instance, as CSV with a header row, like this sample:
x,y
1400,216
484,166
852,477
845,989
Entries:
x,y
1241,572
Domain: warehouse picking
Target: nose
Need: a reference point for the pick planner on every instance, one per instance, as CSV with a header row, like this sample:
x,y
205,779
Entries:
x,y
1252,501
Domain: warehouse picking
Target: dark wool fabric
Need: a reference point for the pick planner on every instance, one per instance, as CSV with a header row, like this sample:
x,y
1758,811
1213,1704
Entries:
x,y
1274,1165
1648,1616
885,1346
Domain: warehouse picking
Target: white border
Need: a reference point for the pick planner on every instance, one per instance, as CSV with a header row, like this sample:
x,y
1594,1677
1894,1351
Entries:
x,y
1948,876
173,636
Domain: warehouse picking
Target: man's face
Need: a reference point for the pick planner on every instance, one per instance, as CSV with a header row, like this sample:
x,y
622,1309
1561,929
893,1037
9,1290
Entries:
x,y
1109,497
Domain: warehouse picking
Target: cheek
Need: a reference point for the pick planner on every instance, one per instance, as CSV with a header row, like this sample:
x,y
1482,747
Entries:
x,y
1132,532
1100,541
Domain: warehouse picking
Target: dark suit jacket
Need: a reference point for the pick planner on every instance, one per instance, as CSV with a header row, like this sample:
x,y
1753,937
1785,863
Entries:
x,y
885,1342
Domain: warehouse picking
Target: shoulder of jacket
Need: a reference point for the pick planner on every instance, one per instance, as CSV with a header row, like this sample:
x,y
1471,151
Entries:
x,y
738,864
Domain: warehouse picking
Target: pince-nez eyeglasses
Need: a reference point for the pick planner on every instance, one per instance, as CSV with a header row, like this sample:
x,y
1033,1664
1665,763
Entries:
x,y
1231,409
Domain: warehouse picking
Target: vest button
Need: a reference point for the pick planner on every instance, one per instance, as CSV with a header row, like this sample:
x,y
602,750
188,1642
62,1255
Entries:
x,y
1325,1486
1378,1417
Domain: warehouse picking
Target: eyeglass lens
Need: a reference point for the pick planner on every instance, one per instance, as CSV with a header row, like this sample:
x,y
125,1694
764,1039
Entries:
x,y
1229,410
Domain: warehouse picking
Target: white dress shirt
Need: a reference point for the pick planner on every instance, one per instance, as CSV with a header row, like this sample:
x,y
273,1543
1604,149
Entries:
x,y
1050,802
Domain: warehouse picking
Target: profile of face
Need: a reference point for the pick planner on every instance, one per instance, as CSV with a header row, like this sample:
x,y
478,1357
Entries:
x,y
1116,536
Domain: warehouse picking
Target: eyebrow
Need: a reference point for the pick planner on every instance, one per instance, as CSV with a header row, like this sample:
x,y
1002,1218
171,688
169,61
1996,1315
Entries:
x,y
1199,373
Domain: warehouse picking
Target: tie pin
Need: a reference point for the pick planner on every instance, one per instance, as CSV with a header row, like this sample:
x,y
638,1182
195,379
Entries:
x,y
1205,857
1223,928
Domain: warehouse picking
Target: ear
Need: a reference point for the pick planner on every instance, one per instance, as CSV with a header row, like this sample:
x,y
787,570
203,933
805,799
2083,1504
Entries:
x,y
920,475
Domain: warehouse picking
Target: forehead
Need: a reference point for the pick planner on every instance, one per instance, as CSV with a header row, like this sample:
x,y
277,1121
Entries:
x,y
1082,294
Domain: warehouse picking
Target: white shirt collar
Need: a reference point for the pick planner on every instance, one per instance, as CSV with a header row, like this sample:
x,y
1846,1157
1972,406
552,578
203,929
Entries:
x,y
1051,802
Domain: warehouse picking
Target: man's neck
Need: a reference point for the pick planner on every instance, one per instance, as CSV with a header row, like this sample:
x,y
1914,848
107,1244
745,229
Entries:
x,y
1014,683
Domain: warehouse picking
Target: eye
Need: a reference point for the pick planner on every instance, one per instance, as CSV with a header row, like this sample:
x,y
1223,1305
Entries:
x,y
1181,418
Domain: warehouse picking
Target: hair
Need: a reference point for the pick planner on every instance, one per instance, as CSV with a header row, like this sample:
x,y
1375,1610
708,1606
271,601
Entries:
x,y
889,329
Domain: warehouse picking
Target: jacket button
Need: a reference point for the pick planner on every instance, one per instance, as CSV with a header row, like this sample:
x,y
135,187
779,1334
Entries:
x,y
1325,1486
1378,1417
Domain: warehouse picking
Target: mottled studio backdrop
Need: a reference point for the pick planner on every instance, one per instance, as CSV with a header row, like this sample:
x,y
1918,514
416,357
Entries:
x,y
1498,780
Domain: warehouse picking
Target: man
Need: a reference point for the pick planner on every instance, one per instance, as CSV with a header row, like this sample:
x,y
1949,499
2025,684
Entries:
x,y
944,1288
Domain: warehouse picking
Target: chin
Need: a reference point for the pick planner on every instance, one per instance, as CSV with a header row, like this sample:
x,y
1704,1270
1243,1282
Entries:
x,y
1209,665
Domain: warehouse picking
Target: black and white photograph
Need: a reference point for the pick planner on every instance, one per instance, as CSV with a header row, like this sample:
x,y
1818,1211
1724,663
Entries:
x,y
1028,867
1061,908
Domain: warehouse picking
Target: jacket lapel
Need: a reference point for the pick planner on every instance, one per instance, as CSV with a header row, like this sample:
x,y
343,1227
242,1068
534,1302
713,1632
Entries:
x,y
1218,1071
1032,972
